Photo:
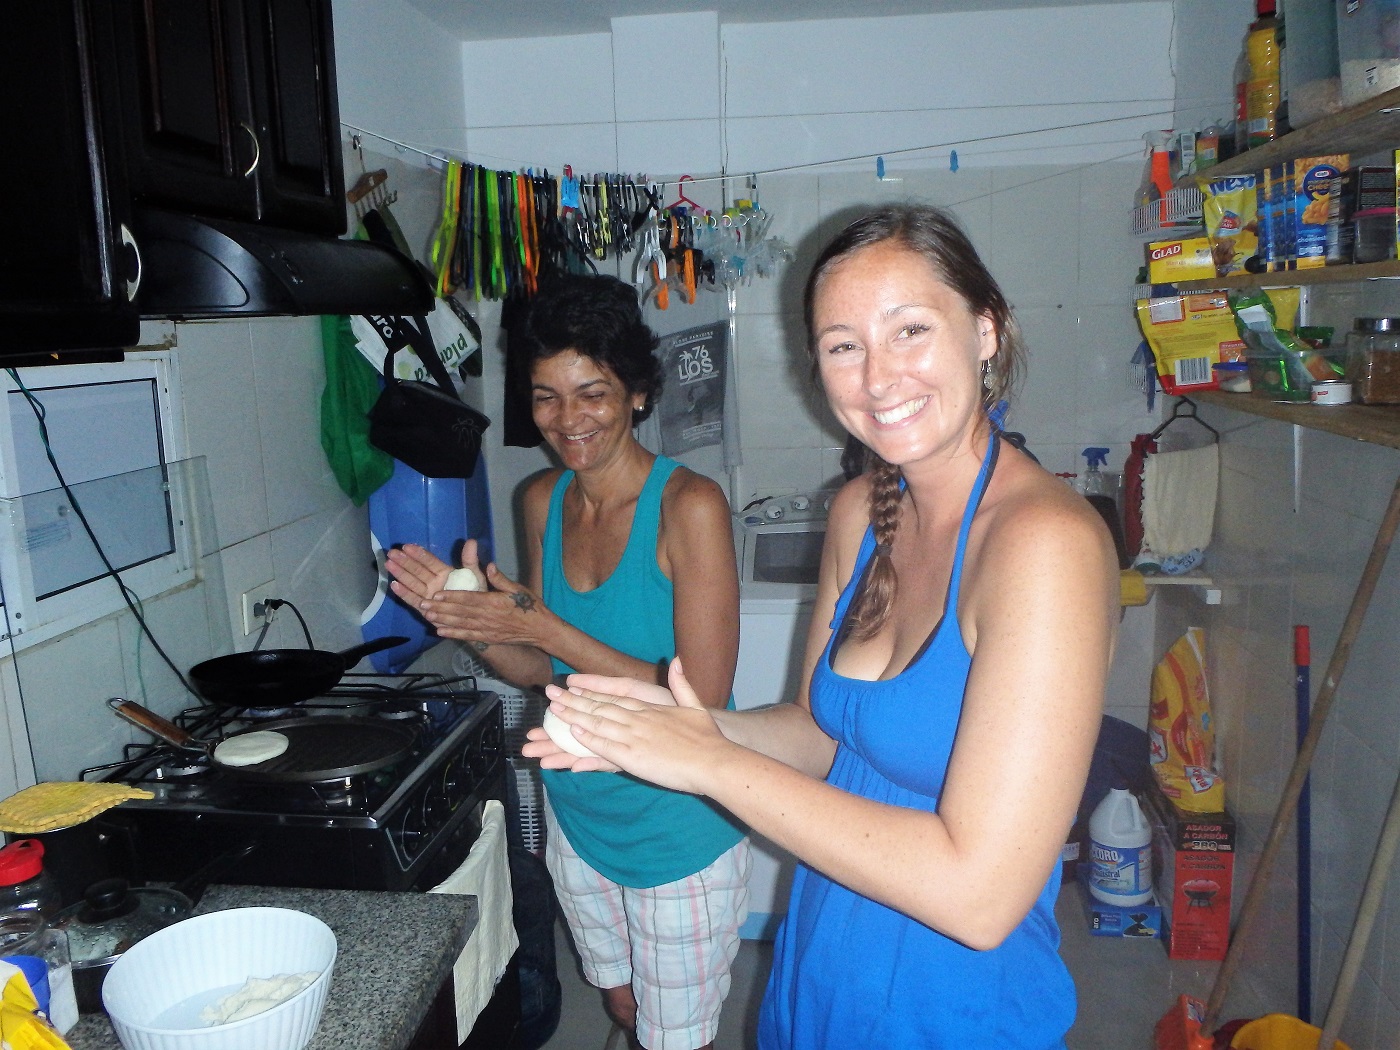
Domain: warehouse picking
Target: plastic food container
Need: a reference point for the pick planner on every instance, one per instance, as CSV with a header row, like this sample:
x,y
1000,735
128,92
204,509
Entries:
x,y
1373,360
1233,376
155,992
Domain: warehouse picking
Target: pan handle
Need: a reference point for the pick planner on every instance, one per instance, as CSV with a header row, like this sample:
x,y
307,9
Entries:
x,y
356,653
154,724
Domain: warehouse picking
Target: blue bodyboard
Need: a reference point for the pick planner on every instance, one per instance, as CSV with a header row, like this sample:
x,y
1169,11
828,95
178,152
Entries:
x,y
439,514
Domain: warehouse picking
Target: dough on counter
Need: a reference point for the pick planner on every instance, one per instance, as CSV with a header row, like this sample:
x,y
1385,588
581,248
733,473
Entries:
x,y
464,580
257,995
248,749
563,736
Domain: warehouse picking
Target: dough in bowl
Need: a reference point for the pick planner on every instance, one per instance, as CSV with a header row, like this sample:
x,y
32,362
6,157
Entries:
x,y
563,736
248,749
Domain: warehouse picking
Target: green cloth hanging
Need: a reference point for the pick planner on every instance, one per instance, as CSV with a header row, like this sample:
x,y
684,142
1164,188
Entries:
x,y
352,387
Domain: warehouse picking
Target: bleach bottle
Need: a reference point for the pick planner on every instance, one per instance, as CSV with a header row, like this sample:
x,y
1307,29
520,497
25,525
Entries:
x,y
1120,850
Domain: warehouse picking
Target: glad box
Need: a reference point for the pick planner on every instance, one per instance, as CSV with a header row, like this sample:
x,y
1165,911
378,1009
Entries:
x,y
1184,260
1194,857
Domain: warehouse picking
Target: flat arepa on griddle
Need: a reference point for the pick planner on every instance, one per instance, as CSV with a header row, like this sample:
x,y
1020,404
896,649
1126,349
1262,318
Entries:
x,y
248,749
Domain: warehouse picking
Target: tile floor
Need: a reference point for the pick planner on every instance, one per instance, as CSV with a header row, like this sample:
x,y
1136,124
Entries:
x,y
1124,987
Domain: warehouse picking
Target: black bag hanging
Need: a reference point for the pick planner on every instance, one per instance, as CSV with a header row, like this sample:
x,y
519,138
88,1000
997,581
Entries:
x,y
426,426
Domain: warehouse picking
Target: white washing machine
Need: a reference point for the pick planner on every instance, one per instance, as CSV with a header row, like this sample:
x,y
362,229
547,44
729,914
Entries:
x,y
778,541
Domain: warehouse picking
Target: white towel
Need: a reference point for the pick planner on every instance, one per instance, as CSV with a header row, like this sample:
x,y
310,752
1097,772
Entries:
x,y
486,874
1178,499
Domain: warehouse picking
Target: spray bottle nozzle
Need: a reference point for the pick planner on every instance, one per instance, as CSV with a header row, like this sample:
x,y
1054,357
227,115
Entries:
x,y
1097,457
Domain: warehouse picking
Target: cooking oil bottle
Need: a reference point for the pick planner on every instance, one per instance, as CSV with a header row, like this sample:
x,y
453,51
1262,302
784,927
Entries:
x,y
1264,92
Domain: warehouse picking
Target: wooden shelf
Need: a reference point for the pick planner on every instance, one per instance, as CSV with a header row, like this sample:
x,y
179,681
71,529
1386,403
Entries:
x,y
1290,278
1374,424
1366,128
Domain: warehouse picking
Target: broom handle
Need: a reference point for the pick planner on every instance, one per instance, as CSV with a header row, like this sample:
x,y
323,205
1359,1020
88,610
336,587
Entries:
x,y
1288,802
1366,911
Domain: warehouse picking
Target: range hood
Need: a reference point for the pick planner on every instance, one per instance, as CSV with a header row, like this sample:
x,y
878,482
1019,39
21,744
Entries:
x,y
210,268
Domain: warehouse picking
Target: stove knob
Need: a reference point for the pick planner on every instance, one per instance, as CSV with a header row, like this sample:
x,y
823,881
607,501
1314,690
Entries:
x,y
800,503
436,810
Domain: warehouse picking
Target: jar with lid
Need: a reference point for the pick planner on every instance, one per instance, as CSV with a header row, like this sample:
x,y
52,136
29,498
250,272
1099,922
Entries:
x,y
41,953
24,884
1373,360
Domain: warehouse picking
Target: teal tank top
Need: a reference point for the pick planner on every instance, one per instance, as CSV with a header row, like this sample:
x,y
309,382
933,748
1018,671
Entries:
x,y
629,831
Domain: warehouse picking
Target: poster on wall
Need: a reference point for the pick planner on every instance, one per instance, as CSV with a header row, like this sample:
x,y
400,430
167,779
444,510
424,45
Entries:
x,y
691,408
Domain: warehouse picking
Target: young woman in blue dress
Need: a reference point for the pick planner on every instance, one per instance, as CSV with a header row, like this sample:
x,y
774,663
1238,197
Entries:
x,y
929,770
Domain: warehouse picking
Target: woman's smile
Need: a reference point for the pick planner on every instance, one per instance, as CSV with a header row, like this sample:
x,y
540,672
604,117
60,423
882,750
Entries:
x,y
890,416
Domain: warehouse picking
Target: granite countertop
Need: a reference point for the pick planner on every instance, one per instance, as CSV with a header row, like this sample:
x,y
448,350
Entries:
x,y
394,951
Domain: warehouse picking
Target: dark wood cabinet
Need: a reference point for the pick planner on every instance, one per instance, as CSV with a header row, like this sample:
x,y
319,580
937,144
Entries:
x,y
67,269
229,109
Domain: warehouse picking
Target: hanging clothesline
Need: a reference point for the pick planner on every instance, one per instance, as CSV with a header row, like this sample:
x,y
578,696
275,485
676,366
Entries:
x,y
442,156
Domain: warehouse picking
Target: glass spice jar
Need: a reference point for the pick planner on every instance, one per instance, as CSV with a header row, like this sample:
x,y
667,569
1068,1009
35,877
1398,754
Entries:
x,y
1373,360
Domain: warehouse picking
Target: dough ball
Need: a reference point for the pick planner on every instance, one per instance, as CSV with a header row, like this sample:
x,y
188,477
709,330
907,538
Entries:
x,y
464,580
248,749
560,732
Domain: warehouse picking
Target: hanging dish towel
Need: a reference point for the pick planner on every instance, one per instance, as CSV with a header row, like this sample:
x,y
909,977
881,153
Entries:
x,y
1178,502
486,874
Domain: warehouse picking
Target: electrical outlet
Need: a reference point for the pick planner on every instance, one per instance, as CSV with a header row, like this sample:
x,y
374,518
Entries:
x,y
255,613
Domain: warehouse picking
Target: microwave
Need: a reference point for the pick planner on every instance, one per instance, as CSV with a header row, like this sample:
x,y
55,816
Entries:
x,y
778,541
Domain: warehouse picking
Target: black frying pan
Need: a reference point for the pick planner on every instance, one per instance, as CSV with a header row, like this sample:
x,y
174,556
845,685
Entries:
x,y
278,677
319,747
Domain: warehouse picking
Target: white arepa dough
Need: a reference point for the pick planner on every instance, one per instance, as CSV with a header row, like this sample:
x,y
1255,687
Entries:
x,y
257,995
562,736
248,749
464,580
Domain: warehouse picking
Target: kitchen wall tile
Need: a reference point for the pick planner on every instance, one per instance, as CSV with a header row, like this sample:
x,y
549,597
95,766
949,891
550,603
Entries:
x,y
16,762
571,75
245,565
1036,235
323,564
672,144
777,402
289,376
188,625
587,145
646,50
1110,400
1107,264
221,420
772,471
65,685
1045,409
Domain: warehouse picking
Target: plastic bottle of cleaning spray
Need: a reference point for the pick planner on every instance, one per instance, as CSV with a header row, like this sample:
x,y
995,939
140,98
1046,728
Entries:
x,y
1101,490
1156,179
1120,850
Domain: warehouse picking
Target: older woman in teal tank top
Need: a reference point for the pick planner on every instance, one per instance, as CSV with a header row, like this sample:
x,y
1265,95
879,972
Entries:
x,y
928,771
629,564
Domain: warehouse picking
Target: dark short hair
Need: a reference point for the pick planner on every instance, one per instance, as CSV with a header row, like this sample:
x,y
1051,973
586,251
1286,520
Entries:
x,y
934,234
600,318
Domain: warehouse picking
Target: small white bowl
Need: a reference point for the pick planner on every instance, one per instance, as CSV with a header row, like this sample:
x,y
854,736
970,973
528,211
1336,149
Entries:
x,y
156,989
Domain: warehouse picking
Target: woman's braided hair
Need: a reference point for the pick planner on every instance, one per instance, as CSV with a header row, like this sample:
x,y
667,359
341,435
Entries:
x,y
933,234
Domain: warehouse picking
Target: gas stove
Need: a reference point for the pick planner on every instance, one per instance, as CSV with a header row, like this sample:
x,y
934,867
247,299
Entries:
x,y
405,826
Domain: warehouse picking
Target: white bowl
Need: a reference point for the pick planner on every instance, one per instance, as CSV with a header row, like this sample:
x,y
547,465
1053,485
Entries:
x,y
156,989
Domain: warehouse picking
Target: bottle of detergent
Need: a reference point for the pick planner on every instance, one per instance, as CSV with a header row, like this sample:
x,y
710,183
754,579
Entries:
x,y
1101,490
1120,849
1156,180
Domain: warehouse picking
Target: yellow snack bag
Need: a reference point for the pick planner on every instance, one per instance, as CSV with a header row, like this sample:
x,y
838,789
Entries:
x,y
1180,731
1231,211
